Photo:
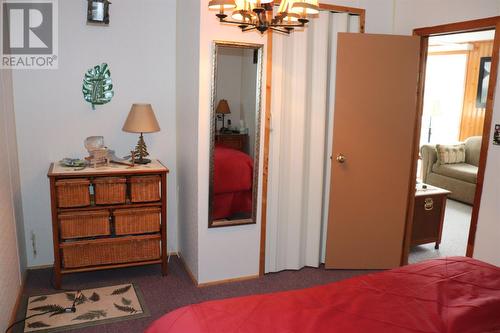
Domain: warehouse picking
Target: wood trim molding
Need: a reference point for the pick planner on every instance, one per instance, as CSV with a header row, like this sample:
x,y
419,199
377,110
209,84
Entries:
x,y
425,33
186,268
350,10
265,157
218,282
466,26
20,293
212,283
483,157
424,43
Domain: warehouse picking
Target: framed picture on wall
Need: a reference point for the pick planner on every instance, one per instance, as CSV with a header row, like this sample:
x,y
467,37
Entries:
x,y
482,84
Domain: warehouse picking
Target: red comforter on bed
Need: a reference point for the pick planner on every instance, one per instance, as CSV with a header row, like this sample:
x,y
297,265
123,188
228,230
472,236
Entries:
x,y
452,295
233,173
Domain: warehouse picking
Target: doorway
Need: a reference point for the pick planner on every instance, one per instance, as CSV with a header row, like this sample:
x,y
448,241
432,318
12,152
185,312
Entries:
x,y
458,70
452,117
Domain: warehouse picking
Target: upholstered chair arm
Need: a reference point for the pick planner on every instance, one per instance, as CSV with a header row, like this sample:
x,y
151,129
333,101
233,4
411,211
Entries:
x,y
429,157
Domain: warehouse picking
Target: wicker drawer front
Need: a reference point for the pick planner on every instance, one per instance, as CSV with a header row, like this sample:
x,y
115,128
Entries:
x,y
73,192
110,190
144,188
111,251
84,224
137,221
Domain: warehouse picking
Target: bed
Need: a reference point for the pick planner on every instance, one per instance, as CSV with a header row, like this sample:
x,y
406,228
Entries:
x,y
232,185
453,295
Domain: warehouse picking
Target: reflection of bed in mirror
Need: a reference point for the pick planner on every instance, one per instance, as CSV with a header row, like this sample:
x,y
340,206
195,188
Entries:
x,y
232,184
234,134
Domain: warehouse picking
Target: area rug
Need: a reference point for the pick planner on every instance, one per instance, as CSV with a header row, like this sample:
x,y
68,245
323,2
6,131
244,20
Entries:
x,y
93,307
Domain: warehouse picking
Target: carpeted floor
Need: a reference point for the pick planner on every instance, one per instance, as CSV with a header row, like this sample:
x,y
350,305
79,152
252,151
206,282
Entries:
x,y
455,234
163,294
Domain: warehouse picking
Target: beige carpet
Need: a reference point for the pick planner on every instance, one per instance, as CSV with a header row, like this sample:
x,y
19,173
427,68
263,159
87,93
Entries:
x,y
93,307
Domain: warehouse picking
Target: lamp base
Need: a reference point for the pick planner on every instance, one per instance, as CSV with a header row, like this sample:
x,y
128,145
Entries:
x,y
143,161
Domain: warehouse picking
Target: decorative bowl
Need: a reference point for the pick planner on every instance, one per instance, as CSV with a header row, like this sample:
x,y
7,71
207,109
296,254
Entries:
x,y
94,143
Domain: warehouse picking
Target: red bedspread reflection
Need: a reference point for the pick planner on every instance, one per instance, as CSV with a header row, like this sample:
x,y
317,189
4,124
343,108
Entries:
x,y
452,295
233,173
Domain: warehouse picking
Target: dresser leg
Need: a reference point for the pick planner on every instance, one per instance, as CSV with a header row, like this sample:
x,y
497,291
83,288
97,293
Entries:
x,y
57,278
436,246
164,268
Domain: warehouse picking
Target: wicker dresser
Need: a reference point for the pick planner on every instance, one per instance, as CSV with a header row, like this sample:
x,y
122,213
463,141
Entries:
x,y
108,217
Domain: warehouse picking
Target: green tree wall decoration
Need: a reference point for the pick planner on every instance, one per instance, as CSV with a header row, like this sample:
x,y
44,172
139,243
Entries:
x,y
97,85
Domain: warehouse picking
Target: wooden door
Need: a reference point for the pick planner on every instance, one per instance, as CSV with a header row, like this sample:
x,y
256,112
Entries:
x,y
374,124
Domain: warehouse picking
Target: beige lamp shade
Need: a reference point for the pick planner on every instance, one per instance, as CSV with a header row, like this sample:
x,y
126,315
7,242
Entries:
x,y
243,11
141,119
307,6
221,4
261,1
223,107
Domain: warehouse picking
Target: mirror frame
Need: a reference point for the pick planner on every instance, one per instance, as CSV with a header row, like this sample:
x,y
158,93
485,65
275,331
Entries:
x,y
258,120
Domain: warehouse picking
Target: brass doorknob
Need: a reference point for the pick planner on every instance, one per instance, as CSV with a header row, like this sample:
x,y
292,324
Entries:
x,y
341,158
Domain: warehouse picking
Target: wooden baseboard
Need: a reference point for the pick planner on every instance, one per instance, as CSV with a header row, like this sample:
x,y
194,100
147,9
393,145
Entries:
x,y
218,282
213,283
20,294
33,268
186,268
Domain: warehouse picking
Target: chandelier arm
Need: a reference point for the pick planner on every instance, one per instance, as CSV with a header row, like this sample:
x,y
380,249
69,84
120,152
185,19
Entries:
x,y
299,25
235,22
280,30
248,28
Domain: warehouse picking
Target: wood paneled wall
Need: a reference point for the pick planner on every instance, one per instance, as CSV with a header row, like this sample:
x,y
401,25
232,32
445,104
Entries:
x,y
472,117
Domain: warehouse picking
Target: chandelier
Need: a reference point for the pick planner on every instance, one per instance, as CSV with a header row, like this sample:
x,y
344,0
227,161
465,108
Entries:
x,y
251,14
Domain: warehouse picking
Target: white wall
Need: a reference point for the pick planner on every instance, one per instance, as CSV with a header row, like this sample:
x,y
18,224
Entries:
x,y
411,14
237,82
10,132
248,97
229,77
232,251
53,119
10,272
187,81
379,13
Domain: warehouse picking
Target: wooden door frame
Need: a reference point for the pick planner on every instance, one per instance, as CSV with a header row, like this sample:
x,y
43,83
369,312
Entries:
x,y
267,121
490,23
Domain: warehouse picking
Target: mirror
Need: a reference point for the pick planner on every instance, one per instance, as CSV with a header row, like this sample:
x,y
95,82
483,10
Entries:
x,y
235,133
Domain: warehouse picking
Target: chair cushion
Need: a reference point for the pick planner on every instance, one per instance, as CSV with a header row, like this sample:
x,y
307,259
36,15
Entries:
x,y
451,154
462,171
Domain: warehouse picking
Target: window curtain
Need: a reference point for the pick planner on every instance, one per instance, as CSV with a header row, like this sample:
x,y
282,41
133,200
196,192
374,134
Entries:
x,y
301,130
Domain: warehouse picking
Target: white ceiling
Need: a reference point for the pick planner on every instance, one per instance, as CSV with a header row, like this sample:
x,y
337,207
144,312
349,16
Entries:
x,y
462,38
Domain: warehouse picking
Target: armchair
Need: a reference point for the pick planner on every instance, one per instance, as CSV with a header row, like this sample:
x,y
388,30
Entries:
x,y
459,178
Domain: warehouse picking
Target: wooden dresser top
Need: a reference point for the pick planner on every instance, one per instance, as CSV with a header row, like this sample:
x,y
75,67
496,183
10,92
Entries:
x,y
430,190
155,166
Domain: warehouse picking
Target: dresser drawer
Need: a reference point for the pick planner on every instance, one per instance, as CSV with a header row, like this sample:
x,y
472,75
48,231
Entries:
x,y
137,220
73,192
84,224
110,190
234,141
110,251
144,188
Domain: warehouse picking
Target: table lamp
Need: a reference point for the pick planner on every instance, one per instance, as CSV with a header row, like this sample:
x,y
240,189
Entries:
x,y
141,119
223,109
